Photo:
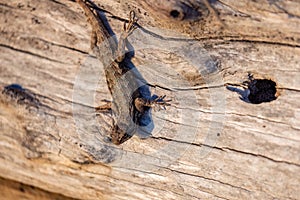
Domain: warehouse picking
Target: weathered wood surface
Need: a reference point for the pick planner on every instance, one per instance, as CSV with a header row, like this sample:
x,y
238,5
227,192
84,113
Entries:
x,y
209,144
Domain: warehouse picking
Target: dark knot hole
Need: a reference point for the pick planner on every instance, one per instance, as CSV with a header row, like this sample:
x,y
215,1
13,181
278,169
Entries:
x,y
175,13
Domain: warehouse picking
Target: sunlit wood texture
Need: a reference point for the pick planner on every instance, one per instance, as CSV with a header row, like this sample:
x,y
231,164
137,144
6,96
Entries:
x,y
209,144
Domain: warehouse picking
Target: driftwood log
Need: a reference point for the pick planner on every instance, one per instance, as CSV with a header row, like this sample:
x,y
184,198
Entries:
x,y
209,144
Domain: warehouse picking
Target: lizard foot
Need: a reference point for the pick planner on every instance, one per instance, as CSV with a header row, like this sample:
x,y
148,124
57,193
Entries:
x,y
158,101
130,27
161,102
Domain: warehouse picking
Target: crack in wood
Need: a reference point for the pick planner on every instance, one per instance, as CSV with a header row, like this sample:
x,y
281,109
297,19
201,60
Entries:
x,y
230,149
32,54
210,179
260,155
60,45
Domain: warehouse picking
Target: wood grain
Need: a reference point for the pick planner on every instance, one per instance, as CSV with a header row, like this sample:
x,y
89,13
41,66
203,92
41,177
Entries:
x,y
208,145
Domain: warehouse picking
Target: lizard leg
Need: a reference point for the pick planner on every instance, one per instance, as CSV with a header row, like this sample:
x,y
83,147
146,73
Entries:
x,y
127,30
141,103
105,108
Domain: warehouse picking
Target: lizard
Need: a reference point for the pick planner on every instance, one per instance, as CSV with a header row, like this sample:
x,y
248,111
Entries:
x,y
131,107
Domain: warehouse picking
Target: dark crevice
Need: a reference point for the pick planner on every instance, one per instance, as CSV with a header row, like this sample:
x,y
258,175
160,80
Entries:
x,y
264,42
230,149
259,155
210,179
32,54
62,46
184,142
289,89
57,2
159,86
224,39
199,87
